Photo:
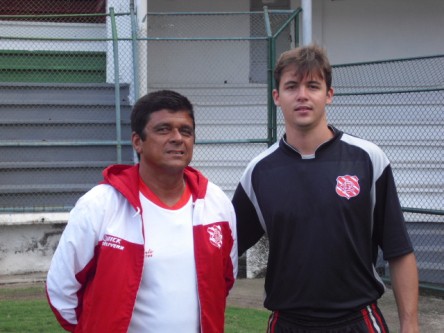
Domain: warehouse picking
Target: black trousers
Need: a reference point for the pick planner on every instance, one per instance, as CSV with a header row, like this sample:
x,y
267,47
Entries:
x,y
367,320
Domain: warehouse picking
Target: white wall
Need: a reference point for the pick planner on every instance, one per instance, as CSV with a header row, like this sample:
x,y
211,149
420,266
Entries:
x,y
197,5
198,62
351,30
22,29
369,30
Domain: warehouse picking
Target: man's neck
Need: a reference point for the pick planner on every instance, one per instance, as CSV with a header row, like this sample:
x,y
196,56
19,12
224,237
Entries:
x,y
307,142
167,187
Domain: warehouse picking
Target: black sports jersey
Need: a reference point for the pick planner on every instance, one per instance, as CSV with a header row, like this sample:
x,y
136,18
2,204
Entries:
x,y
325,217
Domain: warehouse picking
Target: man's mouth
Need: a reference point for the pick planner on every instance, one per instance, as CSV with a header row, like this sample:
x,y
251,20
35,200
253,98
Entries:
x,y
176,152
303,108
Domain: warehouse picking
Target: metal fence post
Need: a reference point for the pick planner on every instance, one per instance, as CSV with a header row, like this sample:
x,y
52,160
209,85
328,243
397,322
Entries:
x,y
272,119
116,85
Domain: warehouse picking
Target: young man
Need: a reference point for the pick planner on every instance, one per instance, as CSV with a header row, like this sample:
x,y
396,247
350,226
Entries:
x,y
327,201
153,248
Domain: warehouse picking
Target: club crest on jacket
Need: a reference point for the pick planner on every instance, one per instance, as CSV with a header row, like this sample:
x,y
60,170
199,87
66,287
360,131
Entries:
x,y
215,236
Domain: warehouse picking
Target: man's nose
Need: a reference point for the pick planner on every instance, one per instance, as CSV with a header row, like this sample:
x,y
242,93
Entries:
x,y
176,135
302,92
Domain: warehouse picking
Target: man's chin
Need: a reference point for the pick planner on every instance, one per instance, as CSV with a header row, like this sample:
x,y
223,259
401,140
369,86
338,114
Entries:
x,y
176,166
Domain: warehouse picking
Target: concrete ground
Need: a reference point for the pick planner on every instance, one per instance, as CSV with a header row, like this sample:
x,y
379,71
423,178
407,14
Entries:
x,y
249,293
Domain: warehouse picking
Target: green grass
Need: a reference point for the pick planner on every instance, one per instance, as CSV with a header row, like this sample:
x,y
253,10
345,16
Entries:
x,y
25,310
239,320
27,316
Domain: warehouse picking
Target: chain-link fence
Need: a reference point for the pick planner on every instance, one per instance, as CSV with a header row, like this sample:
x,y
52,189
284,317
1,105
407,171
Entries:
x,y
399,105
68,82
221,61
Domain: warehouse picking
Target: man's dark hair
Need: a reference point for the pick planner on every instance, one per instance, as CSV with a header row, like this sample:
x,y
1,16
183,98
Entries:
x,y
157,101
308,60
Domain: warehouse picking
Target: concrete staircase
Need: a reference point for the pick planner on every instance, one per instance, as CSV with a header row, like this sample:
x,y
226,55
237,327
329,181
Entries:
x,y
55,139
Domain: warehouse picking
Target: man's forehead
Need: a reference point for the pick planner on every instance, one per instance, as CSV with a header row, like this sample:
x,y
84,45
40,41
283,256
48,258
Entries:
x,y
168,116
294,72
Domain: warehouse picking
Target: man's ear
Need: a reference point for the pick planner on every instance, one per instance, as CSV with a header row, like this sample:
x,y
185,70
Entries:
x,y
330,94
275,94
137,142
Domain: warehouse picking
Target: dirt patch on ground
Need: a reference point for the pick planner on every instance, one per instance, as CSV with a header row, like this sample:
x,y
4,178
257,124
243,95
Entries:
x,y
22,291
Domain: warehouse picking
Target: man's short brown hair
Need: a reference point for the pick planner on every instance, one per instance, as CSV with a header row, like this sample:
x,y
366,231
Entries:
x,y
308,60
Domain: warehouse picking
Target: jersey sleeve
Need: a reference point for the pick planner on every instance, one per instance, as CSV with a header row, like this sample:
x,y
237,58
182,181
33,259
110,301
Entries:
x,y
249,228
390,229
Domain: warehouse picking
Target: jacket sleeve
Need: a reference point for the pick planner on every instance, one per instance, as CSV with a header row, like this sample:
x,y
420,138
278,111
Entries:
x,y
221,210
231,270
73,262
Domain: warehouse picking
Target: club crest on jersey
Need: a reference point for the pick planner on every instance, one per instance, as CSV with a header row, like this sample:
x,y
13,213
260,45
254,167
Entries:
x,y
347,186
215,236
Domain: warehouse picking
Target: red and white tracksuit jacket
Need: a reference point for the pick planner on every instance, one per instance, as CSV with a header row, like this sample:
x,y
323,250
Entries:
x,y
96,270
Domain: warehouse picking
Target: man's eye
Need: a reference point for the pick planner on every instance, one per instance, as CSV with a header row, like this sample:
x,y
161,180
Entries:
x,y
186,131
162,130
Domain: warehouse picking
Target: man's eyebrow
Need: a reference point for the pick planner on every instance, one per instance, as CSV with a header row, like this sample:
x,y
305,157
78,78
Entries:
x,y
290,82
161,124
165,123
